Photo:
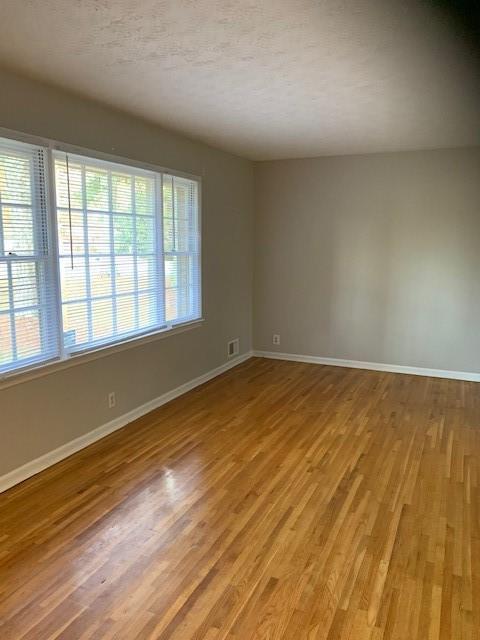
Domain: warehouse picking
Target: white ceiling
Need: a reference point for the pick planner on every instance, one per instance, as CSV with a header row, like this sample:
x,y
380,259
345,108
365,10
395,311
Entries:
x,y
262,78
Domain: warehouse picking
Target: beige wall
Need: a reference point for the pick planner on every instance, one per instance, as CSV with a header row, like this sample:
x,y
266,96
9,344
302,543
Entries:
x,y
373,258
44,413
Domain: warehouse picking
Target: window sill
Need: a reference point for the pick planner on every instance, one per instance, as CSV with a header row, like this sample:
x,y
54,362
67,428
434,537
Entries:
x,y
45,369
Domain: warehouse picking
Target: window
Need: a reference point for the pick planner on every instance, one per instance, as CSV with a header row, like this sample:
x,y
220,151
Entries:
x,y
182,275
118,257
109,251
28,332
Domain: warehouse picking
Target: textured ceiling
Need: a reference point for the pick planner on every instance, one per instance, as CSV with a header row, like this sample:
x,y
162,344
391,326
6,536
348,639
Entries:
x,y
264,79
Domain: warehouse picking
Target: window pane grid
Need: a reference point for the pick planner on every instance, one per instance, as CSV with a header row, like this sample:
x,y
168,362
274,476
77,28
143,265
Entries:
x,y
106,297
181,249
127,256
98,211
112,256
135,266
2,246
87,254
35,308
109,255
26,292
115,260
11,304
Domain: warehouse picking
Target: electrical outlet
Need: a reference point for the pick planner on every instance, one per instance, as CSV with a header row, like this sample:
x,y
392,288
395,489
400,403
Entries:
x,y
276,338
112,401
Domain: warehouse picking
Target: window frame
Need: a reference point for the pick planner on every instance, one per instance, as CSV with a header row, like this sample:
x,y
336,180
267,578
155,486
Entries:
x,y
157,253
36,367
43,257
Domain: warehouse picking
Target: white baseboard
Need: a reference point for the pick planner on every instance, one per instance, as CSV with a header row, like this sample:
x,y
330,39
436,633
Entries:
x,y
52,457
374,366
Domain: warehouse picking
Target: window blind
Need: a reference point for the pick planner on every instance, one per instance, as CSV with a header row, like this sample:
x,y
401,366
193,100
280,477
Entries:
x,y
128,250
28,322
112,253
181,249
109,249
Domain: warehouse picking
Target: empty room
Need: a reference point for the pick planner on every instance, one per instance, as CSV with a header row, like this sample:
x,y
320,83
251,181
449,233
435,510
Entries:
x,y
240,320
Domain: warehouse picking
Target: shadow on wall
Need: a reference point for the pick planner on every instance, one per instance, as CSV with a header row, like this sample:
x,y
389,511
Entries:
x,y
462,15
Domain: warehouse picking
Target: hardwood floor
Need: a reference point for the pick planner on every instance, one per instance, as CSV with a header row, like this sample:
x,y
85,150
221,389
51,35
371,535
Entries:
x,y
280,500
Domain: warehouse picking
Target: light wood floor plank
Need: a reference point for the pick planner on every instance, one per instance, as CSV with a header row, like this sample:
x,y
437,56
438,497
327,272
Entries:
x,y
280,500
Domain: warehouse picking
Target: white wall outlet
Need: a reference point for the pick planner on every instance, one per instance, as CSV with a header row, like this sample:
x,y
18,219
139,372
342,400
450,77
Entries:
x,y
276,338
112,401
233,348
